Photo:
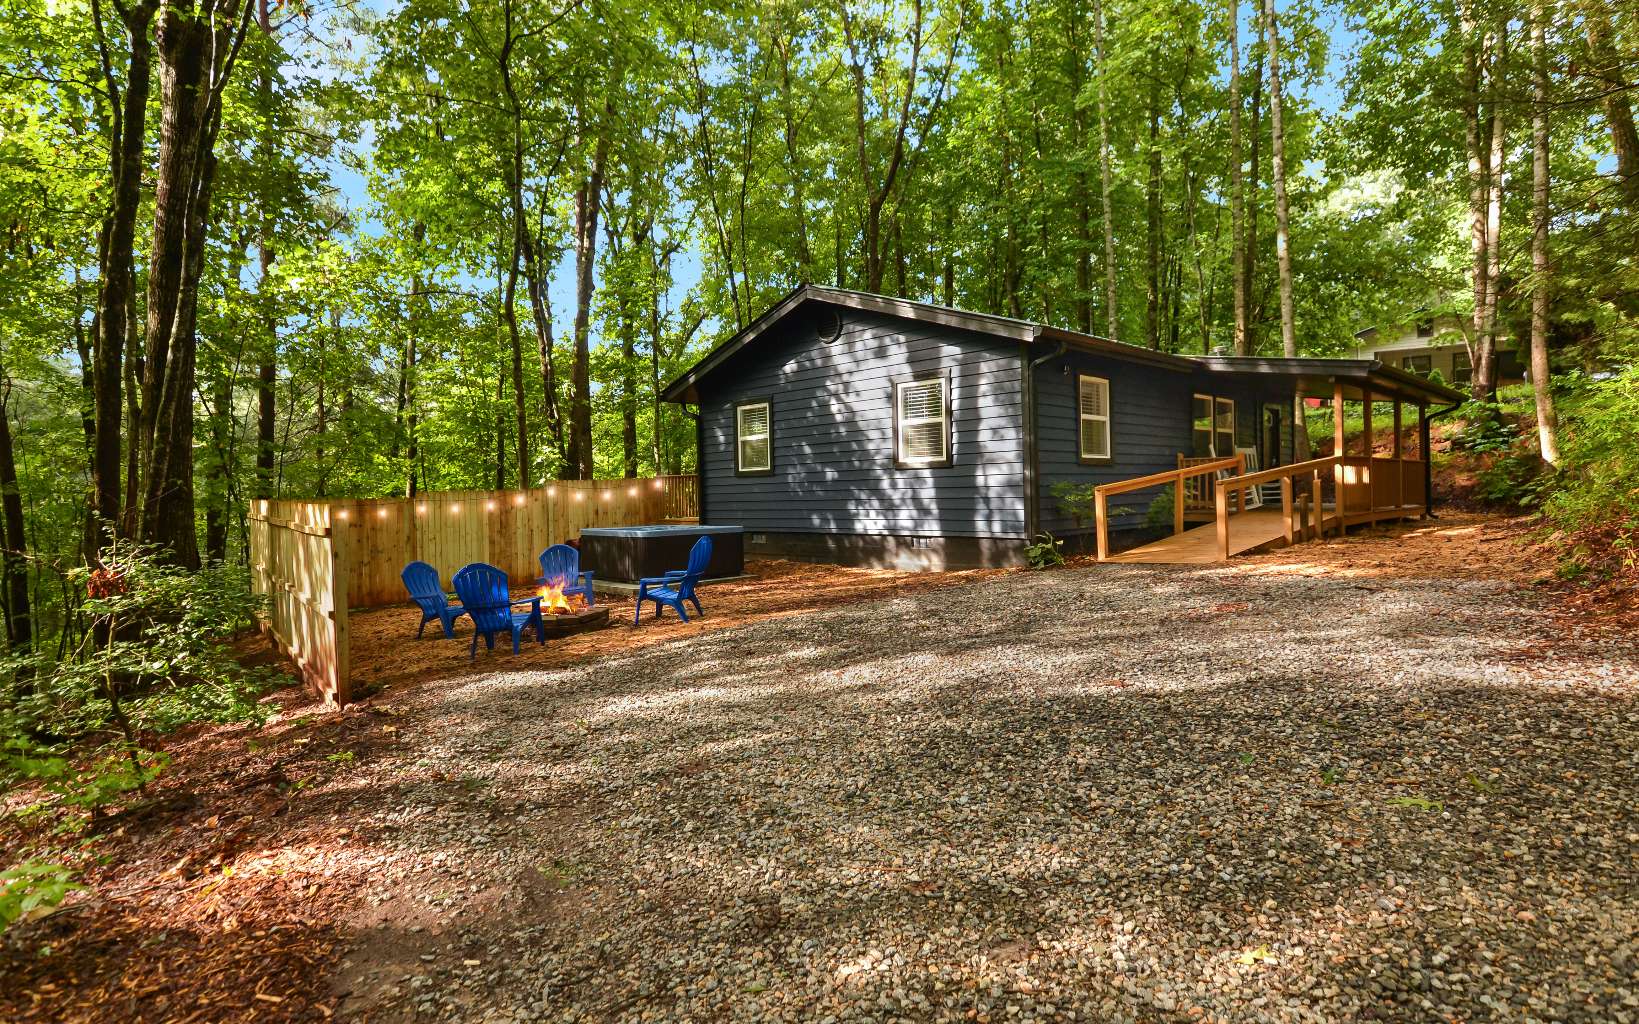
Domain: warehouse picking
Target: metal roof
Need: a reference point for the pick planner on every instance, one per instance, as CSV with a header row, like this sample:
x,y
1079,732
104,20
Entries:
x,y
1312,375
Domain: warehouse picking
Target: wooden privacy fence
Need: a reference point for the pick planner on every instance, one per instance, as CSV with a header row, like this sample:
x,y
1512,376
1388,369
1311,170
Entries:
x,y
314,560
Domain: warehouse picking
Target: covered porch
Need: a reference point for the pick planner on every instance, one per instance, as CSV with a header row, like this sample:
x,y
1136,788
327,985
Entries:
x,y
1317,496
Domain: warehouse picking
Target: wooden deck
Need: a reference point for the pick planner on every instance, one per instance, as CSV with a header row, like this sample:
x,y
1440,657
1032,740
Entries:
x,y
1256,529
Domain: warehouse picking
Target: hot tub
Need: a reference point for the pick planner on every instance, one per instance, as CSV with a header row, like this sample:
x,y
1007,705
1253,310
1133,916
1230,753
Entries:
x,y
631,553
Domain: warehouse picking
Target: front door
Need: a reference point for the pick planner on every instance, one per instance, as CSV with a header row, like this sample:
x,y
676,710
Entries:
x,y
1269,436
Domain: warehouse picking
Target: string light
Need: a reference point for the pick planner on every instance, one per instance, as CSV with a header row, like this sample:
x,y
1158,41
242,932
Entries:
x,y
608,494
632,492
342,513
578,496
421,509
551,491
381,513
519,500
489,506
455,508
658,485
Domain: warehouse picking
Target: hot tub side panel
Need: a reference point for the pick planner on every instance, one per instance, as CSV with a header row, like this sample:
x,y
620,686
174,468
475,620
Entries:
x,y
835,493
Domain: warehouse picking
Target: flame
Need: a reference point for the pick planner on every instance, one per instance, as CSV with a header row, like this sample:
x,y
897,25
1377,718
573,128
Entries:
x,y
553,600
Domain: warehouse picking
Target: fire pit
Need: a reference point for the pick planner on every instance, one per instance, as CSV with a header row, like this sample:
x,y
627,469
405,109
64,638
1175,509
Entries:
x,y
565,614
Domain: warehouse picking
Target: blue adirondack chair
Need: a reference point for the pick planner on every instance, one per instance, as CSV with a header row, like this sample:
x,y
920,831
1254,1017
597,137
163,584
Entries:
x,y
487,595
676,586
421,580
560,565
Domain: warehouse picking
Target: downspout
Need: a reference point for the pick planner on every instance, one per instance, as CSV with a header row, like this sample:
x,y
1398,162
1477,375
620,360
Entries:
x,y
1428,456
1032,485
699,459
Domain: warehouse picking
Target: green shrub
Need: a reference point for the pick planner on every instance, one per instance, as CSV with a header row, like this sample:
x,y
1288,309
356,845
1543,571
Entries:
x,y
1075,500
32,888
1598,483
1159,515
1046,551
151,657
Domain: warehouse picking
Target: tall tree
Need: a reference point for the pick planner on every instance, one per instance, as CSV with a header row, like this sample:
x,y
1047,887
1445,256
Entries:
x,y
1547,420
1237,186
1283,250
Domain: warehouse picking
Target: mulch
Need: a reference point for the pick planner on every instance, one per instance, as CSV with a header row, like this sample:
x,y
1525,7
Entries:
x,y
386,656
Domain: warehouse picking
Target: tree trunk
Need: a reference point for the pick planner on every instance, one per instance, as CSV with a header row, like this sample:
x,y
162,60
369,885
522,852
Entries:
x,y
1618,109
1237,186
1485,361
1253,181
587,200
14,559
267,375
1152,209
1112,317
1479,185
1547,420
181,201
1283,252
116,241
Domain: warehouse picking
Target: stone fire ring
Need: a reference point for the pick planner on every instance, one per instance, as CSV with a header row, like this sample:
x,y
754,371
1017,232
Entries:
x,y
564,623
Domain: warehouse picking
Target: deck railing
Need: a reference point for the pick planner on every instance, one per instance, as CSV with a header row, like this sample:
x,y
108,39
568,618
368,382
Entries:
x,y
1179,479
1307,505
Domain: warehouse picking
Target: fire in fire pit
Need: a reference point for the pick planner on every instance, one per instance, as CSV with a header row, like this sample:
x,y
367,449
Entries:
x,y
567,613
555,602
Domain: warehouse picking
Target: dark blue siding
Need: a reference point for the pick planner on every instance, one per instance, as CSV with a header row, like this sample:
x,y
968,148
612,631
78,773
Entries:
x,y
1149,427
832,410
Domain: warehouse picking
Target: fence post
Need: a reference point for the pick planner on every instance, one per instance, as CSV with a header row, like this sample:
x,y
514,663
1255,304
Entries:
x,y
1221,495
1101,521
1286,507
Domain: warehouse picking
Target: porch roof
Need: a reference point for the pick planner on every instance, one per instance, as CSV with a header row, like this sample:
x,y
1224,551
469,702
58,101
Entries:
x,y
1318,378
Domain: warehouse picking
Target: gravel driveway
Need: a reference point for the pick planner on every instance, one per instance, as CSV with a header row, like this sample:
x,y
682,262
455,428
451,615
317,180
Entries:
x,y
1097,794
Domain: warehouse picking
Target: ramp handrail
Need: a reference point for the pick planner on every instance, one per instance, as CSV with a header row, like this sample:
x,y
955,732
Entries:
x,y
1175,477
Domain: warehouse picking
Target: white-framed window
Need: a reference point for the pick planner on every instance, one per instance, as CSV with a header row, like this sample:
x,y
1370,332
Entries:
x,y
753,438
1223,429
1093,404
1200,419
922,422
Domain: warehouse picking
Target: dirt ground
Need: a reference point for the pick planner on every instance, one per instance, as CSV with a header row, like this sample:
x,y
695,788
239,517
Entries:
x,y
226,895
386,654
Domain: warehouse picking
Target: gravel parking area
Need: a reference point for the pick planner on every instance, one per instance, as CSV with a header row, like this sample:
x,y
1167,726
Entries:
x,y
1095,794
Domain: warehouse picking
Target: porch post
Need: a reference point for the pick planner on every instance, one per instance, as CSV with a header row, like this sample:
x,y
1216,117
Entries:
x,y
1368,477
1399,461
1338,448
1428,459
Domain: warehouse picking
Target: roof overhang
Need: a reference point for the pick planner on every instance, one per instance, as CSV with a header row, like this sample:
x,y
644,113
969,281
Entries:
x,y
1319,378
685,388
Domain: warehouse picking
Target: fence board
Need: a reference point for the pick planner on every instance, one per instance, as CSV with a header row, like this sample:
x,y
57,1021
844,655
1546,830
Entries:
x,y
294,554
315,559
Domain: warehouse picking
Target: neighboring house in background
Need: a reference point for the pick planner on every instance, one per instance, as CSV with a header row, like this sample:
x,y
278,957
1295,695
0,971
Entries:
x,y
1436,344
860,429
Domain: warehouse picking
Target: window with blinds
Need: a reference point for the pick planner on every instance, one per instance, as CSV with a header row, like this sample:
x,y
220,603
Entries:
x,y
922,422
755,447
1093,400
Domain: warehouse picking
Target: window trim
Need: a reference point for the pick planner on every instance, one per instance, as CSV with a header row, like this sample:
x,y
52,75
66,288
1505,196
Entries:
x,y
749,403
899,462
1212,424
1108,420
1234,423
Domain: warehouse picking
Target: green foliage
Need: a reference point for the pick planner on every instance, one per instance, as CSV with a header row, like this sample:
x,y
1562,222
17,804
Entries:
x,y
1598,482
152,656
1044,552
31,889
1075,500
1159,515
1418,802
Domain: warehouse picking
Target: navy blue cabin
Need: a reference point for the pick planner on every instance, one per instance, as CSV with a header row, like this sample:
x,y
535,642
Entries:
x,y
861,429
